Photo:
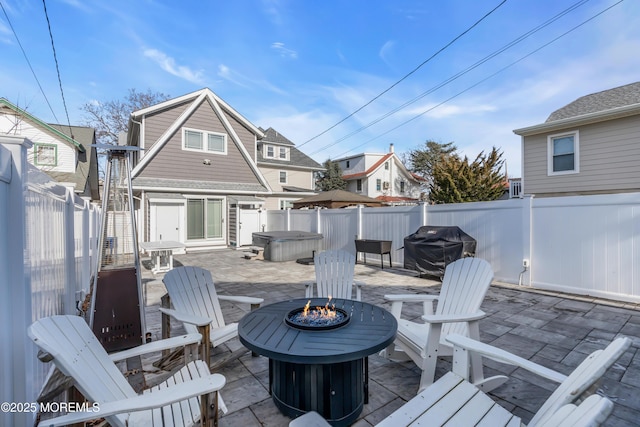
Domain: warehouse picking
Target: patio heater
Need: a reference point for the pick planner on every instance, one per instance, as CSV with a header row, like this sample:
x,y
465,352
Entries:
x,y
117,315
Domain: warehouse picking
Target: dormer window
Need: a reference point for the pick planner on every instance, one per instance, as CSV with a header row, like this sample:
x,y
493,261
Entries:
x,y
276,152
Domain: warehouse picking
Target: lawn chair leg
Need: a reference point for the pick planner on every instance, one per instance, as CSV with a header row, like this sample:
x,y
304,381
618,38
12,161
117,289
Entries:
x,y
205,346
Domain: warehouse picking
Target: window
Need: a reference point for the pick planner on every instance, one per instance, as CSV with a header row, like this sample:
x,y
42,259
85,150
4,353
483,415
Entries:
x,y
563,153
286,204
45,155
209,142
283,177
378,184
283,153
204,219
269,151
386,166
359,185
347,163
402,186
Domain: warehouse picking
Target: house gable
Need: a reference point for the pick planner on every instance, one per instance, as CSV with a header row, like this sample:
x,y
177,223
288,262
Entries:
x,y
167,158
70,159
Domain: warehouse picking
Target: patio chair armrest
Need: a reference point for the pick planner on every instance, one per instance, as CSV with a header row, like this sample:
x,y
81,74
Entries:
x,y
186,317
462,343
411,297
157,399
155,346
398,300
241,299
452,318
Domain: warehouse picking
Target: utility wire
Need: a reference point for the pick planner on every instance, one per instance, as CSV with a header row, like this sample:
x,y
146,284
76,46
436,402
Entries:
x,y
55,57
27,59
458,75
486,78
408,74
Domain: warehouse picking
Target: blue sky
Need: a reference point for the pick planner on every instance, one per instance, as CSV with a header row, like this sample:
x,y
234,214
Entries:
x,y
301,66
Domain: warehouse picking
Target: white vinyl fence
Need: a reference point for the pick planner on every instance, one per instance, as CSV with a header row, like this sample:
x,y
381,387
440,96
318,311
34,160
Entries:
x,y
47,249
585,245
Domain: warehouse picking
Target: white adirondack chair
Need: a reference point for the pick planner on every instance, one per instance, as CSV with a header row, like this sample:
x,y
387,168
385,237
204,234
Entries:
x,y
334,276
454,401
464,286
197,304
77,353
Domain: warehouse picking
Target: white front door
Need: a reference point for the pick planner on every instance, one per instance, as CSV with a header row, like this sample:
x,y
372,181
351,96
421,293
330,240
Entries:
x,y
167,222
249,223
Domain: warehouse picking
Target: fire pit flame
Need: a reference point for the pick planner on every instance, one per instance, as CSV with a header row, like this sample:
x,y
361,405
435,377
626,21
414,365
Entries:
x,y
326,317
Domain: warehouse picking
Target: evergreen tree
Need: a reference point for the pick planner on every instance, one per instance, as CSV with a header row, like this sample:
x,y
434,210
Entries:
x,y
331,177
423,160
456,180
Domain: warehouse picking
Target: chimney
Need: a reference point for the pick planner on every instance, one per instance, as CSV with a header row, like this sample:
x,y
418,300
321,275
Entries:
x,y
391,147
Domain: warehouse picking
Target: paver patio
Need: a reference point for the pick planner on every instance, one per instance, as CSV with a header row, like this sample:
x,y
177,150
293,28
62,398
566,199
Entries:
x,y
555,330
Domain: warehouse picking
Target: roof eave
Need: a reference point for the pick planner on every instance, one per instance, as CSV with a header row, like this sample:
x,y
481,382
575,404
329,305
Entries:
x,y
585,119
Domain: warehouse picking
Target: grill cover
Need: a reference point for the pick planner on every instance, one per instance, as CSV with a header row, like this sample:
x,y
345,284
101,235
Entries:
x,y
430,249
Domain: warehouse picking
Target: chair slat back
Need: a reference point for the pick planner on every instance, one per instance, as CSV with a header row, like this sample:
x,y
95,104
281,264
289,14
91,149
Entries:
x,y
77,353
334,274
464,286
192,290
581,379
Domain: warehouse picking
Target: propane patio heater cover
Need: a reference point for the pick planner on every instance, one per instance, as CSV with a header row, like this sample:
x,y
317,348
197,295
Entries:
x,y
430,249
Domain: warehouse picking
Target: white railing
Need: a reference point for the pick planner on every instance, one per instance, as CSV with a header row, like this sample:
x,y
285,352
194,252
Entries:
x,y
515,188
585,245
47,250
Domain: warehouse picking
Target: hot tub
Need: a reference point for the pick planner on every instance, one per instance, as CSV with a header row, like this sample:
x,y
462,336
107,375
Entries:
x,y
288,245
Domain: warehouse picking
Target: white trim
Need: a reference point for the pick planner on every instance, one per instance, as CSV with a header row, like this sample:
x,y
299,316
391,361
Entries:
x,y
576,153
598,116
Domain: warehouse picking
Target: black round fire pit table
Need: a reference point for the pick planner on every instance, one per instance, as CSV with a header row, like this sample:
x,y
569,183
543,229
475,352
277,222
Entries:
x,y
323,370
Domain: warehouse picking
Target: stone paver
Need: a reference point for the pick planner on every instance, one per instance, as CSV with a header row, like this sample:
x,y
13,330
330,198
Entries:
x,y
555,330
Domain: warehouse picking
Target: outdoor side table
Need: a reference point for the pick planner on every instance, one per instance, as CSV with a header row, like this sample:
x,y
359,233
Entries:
x,y
318,370
161,251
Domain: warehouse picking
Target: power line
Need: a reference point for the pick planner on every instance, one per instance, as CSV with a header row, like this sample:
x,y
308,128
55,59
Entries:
x,y
55,57
27,59
408,74
486,78
458,75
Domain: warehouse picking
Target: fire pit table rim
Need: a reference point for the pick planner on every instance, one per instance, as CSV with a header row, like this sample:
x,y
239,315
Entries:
x,y
264,331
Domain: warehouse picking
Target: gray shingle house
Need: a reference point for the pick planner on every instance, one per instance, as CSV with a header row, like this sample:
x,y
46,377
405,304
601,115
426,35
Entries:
x,y
289,172
589,146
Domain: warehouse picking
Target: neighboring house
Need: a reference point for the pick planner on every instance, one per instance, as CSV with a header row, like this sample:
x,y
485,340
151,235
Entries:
x,y
65,153
381,176
197,174
590,146
291,174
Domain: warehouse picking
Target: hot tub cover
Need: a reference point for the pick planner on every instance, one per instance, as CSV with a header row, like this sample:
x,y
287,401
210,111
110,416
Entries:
x,y
430,249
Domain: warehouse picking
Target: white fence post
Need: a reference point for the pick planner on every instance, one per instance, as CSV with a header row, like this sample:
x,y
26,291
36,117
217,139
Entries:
x,y
69,253
86,253
15,284
527,241
318,221
359,221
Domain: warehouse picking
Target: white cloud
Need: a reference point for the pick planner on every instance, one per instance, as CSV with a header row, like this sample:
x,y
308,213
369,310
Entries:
x,y
283,51
168,64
